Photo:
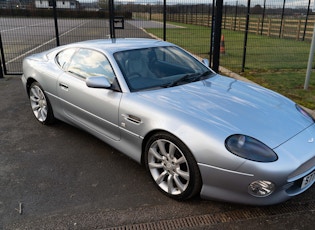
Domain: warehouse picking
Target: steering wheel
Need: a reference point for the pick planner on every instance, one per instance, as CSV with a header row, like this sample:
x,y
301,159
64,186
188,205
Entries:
x,y
134,75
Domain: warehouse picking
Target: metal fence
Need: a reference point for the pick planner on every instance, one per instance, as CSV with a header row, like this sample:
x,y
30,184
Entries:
x,y
256,34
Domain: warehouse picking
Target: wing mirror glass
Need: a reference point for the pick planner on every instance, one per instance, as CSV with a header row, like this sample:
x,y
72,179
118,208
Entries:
x,y
205,62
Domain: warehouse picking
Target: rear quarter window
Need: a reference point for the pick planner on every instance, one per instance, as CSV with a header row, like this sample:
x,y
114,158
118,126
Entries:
x,y
63,58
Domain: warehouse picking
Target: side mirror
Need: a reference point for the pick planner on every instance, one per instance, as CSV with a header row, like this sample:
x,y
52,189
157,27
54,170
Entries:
x,y
98,82
205,62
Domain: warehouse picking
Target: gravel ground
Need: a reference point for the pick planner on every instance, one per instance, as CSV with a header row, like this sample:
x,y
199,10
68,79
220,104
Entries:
x,y
60,177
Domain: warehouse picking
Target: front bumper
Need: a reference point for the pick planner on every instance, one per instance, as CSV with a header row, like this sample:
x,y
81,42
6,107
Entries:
x,y
296,161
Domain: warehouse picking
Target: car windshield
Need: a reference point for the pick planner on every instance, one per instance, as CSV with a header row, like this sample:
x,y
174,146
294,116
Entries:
x,y
158,67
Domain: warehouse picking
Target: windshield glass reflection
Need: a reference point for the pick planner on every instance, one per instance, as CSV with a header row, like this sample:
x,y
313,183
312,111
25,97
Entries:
x,y
159,67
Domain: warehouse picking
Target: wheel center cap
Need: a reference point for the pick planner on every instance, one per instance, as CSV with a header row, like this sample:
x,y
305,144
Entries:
x,y
169,165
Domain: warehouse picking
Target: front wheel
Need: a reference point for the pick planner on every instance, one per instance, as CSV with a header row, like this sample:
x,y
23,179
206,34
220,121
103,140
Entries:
x,y
40,104
172,166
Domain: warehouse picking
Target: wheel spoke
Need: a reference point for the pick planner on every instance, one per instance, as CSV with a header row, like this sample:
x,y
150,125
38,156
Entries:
x,y
180,160
154,165
172,150
161,177
40,114
34,98
152,151
170,185
43,113
161,145
178,183
34,92
183,174
35,106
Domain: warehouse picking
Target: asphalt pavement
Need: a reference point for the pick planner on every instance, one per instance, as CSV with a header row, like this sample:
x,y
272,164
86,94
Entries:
x,y
60,177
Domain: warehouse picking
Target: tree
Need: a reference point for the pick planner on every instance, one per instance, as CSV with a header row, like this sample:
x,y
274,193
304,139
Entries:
x,y
103,4
257,9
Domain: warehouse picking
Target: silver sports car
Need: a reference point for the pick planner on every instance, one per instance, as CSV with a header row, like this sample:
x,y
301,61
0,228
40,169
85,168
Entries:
x,y
195,131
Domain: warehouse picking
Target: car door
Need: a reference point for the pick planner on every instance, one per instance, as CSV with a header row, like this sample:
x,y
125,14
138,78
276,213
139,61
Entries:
x,y
93,109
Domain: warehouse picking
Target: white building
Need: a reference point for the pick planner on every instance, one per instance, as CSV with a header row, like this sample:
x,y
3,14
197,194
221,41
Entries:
x,y
61,4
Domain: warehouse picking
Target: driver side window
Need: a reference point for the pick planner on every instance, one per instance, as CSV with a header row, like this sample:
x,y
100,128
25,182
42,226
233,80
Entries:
x,y
90,63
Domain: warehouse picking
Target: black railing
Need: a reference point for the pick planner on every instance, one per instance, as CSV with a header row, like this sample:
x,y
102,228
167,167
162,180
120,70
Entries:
x,y
31,28
61,30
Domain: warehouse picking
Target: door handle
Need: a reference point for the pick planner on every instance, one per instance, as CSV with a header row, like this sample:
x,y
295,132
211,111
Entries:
x,y
132,118
63,86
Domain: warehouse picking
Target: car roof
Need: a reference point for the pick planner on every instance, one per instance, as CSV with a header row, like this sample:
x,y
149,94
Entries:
x,y
120,44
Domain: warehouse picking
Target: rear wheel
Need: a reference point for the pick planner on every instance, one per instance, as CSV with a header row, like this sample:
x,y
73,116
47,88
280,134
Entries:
x,y
172,166
40,104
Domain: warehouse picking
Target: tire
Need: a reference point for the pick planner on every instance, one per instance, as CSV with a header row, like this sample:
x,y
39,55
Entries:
x,y
40,104
172,167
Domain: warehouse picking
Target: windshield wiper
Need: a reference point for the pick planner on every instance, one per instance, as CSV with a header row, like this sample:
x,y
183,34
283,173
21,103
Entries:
x,y
184,79
204,75
187,78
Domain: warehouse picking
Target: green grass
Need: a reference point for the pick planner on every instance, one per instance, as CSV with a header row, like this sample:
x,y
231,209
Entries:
x,y
262,52
277,64
195,39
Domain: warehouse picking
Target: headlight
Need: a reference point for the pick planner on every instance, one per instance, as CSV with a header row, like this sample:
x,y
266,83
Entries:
x,y
250,148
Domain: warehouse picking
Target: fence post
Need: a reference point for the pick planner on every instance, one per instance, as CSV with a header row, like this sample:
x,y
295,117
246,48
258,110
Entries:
x,y
56,22
282,33
310,61
235,15
306,19
2,60
1,70
212,32
246,34
282,16
298,30
111,18
263,19
217,35
225,9
258,24
164,20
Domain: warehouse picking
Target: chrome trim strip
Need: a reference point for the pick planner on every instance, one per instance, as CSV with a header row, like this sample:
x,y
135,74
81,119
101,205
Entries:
x,y
226,170
131,133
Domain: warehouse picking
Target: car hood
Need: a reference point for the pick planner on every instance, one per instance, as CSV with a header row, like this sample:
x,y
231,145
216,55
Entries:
x,y
233,107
